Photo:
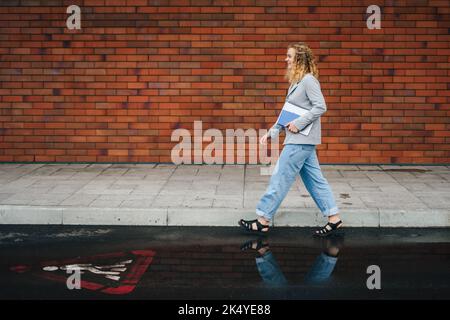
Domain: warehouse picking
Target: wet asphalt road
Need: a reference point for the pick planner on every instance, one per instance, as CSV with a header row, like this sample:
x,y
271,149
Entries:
x,y
222,263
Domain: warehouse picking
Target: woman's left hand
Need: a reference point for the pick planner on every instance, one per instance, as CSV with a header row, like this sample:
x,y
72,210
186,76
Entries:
x,y
292,128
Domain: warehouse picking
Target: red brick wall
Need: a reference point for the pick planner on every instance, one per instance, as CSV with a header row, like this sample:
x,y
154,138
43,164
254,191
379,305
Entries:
x,y
138,69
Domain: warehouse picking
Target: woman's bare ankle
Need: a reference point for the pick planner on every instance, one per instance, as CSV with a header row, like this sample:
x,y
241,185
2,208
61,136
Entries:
x,y
263,221
334,218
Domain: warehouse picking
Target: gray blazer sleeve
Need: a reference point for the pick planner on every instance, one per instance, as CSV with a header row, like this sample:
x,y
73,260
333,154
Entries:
x,y
275,130
314,94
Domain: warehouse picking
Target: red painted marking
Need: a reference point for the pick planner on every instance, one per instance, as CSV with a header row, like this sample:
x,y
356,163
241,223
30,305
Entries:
x,y
20,269
141,261
119,290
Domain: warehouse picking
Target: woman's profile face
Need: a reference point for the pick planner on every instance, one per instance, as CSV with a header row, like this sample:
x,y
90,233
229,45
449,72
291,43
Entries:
x,y
290,55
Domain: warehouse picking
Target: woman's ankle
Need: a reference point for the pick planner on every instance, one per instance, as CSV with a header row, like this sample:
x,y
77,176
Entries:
x,y
263,221
334,218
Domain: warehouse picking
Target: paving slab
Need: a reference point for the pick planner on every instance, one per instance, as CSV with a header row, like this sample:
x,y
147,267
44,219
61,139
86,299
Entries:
x,y
167,194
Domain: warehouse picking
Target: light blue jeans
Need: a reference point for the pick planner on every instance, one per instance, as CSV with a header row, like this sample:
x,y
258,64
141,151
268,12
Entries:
x,y
321,270
271,274
270,271
297,159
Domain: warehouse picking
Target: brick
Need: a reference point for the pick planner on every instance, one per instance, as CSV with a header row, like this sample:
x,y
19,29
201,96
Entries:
x,y
139,79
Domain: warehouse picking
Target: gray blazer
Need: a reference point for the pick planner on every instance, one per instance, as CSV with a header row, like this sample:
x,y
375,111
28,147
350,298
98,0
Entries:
x,y
307,94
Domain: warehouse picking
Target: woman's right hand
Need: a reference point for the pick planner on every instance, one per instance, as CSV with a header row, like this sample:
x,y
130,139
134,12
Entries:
x,y
263,139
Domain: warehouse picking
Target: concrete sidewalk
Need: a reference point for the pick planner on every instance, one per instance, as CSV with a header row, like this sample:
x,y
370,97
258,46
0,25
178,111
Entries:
x,y
193,195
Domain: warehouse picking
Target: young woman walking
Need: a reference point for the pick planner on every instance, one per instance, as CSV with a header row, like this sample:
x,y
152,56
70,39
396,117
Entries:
x,y
299,152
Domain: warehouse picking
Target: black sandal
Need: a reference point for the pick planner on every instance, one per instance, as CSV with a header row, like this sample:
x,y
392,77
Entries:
x,y
328,229
248,226
254,245
332,245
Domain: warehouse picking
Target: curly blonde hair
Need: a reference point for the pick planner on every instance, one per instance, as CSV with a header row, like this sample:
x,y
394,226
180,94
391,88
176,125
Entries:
x,y
304,62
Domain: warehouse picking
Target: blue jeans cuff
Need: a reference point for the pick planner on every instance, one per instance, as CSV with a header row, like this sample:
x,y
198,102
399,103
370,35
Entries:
x,y
331,212
262,214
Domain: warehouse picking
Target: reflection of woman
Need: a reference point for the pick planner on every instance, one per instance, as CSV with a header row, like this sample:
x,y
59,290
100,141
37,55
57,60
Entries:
x,y
265,262
269,270
323,266
272,275
299,153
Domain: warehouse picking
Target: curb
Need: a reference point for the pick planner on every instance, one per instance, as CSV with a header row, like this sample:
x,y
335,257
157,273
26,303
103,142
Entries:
x,y
225,217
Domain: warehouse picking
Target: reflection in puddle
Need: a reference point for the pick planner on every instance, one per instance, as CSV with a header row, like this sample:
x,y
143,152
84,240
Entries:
x,y
125,269
110,271
272,274
210,263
